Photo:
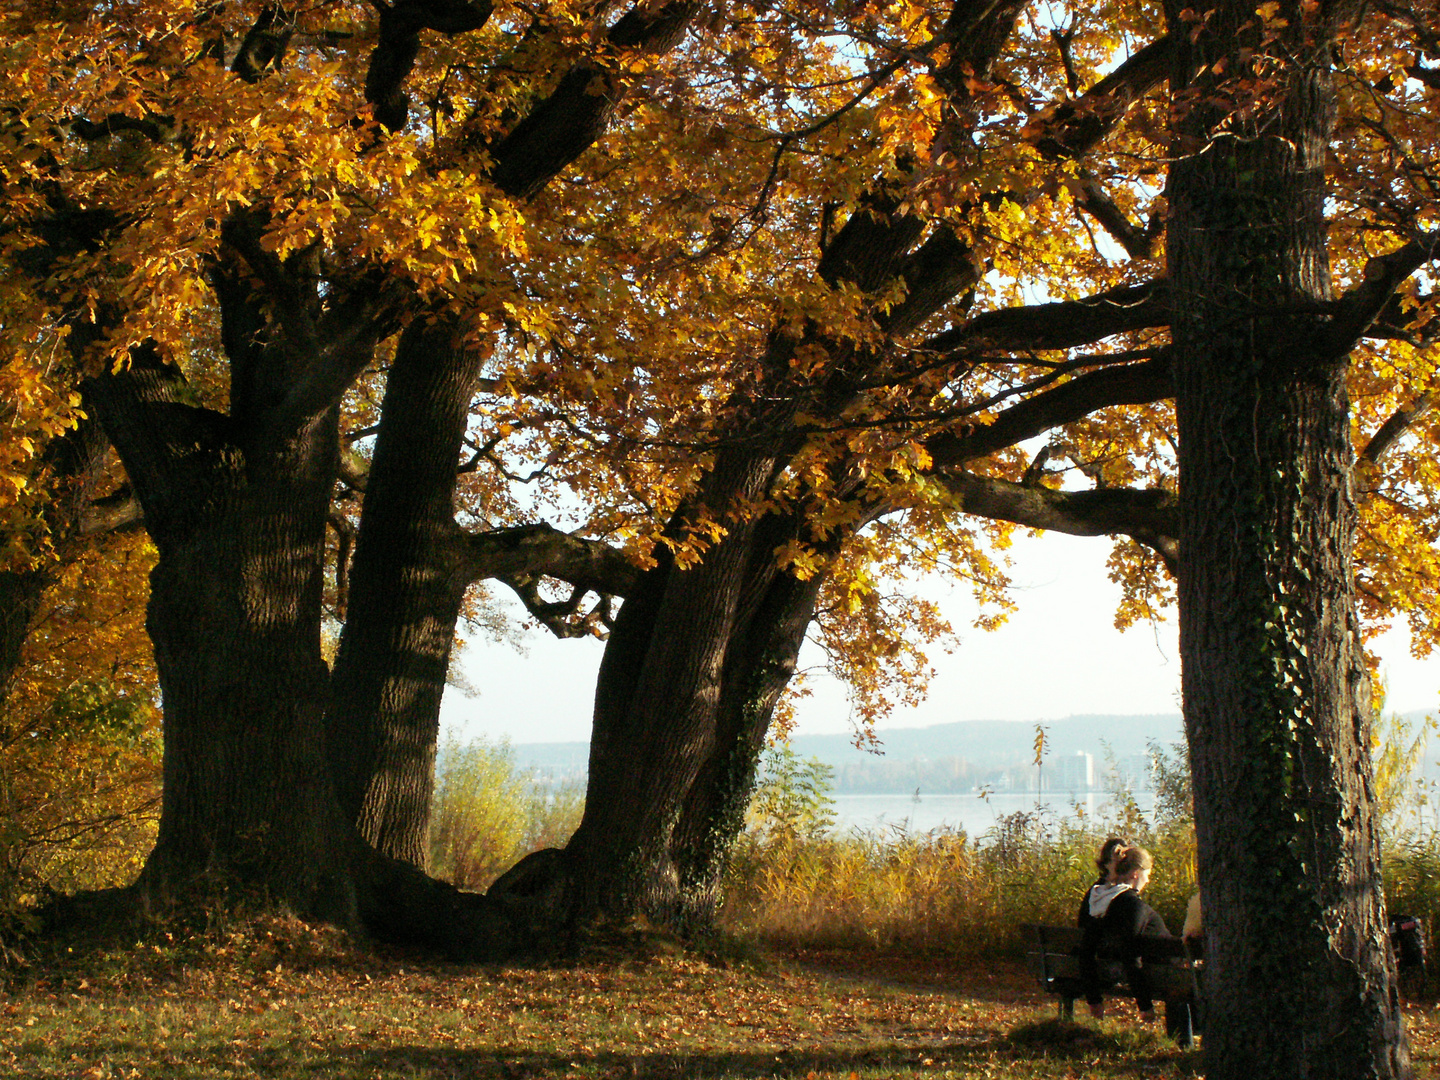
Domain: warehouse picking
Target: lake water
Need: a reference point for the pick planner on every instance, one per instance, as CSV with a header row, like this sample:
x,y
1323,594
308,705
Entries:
x,y
976,816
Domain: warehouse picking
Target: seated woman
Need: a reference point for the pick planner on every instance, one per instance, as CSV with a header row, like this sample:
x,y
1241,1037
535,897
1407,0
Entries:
x,y
1105,863
1114,921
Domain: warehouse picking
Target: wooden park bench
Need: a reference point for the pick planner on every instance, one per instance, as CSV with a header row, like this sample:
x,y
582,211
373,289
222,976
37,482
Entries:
x,y
1169,969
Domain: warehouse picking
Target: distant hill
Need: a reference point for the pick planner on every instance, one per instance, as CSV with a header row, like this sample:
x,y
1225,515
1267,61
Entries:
x,y
996,754
997,742
559,758
958,757
942,757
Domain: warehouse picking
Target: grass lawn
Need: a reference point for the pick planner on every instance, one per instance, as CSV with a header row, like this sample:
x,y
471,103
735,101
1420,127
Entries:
x,y
281,1000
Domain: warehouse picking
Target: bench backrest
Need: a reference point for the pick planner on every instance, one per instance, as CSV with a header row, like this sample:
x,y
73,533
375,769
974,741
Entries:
x,y
1064,939
1052,960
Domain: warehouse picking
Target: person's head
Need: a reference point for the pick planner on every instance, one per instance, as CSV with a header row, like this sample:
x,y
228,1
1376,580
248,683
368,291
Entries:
x,y
1109,852
1133,867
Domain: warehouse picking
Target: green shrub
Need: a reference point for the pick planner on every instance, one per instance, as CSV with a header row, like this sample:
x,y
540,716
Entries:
x,y
792,797
487,815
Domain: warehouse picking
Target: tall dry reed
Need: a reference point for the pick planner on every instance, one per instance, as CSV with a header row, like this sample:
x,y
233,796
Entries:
x,y
940,891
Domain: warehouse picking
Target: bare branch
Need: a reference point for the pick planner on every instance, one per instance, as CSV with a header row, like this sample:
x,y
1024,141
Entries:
x,y
1067,129
264,45
1137,242
1389,433
563,618
1063,40
1429,76
536,551
1362,305
1062,325
1071,128
1148,515
345,537
120,512
145,412
399,44
557,130
1131,384
156,128
349,329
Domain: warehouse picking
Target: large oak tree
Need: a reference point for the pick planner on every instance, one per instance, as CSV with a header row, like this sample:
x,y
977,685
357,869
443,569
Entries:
x,y
1277,698
775,333
236,489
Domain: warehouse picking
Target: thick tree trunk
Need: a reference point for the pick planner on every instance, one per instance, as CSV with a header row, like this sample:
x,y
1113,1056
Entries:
x,y
657,712
758,666
406,589
1276,697
234,616
683,707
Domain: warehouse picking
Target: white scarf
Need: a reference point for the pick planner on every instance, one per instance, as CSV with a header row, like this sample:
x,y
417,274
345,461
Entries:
x,y
1101,897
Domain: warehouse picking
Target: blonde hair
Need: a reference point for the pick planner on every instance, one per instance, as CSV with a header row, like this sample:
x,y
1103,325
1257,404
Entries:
x,y
1133,858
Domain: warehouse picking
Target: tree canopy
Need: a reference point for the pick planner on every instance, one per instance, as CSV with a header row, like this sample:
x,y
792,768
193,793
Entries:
x,y
628,297
762,304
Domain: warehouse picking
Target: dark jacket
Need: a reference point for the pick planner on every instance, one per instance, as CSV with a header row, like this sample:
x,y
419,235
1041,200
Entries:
x,y
1116,935
1084,918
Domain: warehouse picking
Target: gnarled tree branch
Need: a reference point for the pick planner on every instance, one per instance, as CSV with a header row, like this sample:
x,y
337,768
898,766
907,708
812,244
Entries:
x,y
1130,384
394,54
119,512
1149,515
544,551
562,618
1071,128
1358,309
1065,324
578,110
264,45
1399,422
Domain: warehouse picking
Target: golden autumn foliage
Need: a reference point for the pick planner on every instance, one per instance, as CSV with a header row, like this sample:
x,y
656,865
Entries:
x,y
80,733
630,310
629,296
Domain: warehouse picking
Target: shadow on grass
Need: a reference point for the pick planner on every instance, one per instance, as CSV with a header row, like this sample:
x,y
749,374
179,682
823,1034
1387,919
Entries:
x,y
1032,1051
1068,1039
998,981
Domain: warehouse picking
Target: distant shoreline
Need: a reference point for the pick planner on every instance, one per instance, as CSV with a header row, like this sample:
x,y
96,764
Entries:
x,y
960,758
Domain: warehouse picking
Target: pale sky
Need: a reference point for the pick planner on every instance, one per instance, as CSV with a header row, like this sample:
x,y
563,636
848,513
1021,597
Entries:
x,y
1059,655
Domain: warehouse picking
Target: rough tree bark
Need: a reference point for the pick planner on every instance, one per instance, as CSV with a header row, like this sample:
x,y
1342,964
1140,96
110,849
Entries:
x,y
1277,701
661,710
758,666
236,506
406,589
234,616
